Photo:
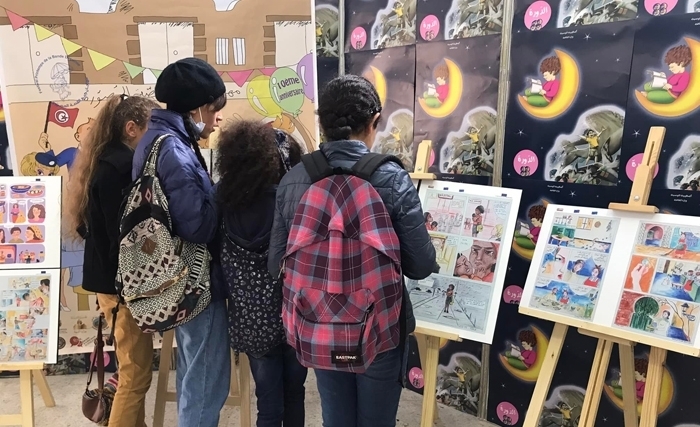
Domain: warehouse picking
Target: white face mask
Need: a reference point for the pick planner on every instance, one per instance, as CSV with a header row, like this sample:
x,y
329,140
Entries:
x,y
200,124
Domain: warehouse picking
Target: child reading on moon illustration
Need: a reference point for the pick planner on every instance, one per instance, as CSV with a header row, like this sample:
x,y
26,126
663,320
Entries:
x,y
663,90
538,94
434,96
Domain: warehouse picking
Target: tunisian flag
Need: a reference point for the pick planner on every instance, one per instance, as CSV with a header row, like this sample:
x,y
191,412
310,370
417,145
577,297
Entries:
x,y
62,116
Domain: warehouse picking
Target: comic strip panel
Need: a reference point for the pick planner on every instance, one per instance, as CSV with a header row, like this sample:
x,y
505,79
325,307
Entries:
x,y
583,232
640,273
677,279
562,298
476,259
444,212
659,316
451,302
573,266
653,239
445,251
669,241
486,218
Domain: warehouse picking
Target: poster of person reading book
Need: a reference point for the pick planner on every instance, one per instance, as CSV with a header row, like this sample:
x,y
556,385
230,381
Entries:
x,y
538,94
664,90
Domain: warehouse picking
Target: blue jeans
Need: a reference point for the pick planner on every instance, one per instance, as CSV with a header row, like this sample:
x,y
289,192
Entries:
x,y
279,387
203,367
362,400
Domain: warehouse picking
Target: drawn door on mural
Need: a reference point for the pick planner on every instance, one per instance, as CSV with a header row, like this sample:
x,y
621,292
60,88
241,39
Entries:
x,y
47,63
163,43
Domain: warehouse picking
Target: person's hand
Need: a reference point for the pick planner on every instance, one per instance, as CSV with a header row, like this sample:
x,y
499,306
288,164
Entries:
x,y
521,357
667,86
543,92
530,235
44,140
637,272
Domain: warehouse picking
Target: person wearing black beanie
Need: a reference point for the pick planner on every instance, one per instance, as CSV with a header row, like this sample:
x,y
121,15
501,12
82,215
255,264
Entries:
x,y
194,95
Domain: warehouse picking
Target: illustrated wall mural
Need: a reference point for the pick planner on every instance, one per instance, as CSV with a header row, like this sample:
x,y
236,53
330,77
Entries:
x,y
59,69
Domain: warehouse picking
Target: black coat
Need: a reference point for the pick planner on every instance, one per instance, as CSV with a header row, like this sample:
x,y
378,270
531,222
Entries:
x,y
111,177
394,186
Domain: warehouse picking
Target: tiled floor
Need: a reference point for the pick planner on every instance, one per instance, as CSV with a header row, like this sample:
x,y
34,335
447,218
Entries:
x,y
68,389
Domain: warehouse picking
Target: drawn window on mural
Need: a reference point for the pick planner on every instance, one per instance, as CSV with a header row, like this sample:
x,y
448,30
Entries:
x,y
222,51
163,43
238,51
37,62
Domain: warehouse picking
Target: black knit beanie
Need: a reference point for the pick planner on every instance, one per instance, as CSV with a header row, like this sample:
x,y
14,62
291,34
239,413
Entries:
x,y
188,84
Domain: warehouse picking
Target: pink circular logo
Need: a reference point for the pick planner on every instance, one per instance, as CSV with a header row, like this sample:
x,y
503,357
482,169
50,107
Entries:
x,y
659,7
415,376
512,294
538,15
635,161
106,356
525,162
507,413
429,27
358,38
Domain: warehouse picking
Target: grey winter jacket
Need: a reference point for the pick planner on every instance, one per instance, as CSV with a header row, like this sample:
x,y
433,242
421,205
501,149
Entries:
x,y
396,190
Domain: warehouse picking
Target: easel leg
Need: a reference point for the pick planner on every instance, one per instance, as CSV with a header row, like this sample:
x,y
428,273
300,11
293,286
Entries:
x,y
432,355
163,378
27,398
40,379
539,395
596,380
652,391
244,375
422,342
629,392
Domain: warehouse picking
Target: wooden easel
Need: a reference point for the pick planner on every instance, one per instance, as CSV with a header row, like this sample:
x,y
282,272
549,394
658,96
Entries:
x,y
238,396
27,372
638,199
428,339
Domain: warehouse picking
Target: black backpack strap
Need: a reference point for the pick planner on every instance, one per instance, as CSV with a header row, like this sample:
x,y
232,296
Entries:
x,y
365,167
317,166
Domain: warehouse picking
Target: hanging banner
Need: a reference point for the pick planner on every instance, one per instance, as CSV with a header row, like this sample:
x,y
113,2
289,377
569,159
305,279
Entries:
x,y
458,19
456,99
379,24
392,72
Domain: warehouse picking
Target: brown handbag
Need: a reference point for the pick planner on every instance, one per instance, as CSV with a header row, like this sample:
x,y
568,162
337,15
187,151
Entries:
x,y
97,403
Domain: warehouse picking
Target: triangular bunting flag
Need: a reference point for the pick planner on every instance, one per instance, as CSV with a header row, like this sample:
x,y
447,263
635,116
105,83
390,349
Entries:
x,y
69,46
239,77
221,73
134,70
100,60
156,72
42,33
268,71
16,21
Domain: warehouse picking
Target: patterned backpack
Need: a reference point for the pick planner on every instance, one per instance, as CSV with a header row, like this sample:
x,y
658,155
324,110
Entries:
x,y
343,285
255,299
164,281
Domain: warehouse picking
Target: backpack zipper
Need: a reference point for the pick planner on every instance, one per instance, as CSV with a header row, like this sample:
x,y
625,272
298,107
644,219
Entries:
x,y
283,265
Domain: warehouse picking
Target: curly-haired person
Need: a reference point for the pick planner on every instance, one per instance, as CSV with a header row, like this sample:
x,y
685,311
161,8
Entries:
x,y
441,74
253,158
549,68
677,58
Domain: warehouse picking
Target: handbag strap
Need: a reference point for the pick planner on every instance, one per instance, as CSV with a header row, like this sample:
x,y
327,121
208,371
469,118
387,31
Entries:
x,y
98,359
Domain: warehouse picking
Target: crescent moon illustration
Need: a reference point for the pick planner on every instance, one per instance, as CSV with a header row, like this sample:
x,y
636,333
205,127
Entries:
x,y
665,397
379,84
533,372
453,97
688,101
569,80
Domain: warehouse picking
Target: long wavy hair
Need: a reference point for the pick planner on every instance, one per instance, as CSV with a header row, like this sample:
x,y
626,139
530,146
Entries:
x,y
109,128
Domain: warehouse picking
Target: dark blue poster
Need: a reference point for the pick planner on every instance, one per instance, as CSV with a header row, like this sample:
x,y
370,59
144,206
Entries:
x,y
457,19
456,99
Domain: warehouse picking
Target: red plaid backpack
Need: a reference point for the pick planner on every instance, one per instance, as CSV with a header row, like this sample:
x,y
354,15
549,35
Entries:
x,y
343,285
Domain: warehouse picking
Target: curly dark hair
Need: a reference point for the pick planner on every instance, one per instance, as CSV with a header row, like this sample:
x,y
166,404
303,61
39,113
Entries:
x,y
249,162
679,55
537,212
347,107
550,64
528,336
641,365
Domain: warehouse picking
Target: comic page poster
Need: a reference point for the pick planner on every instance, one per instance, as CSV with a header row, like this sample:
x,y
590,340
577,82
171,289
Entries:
x,y
567,106
29,315
327,29
458,19
467,225
535,15
371,25
392,72
664,91
456,99
59,69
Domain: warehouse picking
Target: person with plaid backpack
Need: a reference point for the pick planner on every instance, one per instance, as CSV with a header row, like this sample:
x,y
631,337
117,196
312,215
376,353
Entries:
x,y
348,226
